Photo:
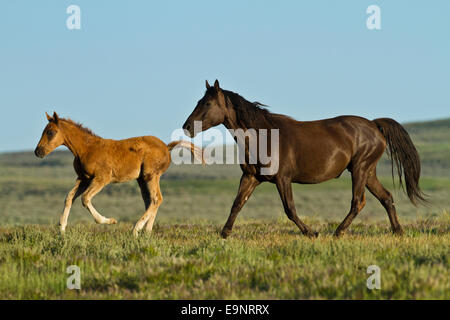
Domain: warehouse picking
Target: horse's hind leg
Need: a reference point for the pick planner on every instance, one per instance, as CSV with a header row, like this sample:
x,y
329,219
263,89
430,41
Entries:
x,y
95,187
385,197
285,189
144,192
78,189
359,178
155,201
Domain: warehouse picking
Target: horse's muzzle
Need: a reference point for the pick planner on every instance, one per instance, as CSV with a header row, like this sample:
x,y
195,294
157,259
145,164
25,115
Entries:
x,y
39,152
188,129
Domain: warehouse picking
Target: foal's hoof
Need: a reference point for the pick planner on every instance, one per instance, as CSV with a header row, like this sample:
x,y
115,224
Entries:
x,y
399,232
112,221
312,234
225,233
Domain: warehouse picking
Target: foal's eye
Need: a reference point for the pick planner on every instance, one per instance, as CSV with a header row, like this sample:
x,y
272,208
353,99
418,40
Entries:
x,y
208,104
50,133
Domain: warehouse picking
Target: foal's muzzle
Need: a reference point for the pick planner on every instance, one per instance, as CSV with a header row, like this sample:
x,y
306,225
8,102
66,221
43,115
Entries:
x,y
39,152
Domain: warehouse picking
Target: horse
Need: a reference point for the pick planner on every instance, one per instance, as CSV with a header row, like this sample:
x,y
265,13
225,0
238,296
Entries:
x,y
312,152
99,162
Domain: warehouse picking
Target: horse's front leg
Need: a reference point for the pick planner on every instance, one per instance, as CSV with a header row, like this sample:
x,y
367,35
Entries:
x,y
77,190
246,187
95,187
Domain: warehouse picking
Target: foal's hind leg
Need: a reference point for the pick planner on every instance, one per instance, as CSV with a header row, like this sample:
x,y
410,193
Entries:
x,y
95,187
80,187
385,197
155,201
144,192
285,189
359,179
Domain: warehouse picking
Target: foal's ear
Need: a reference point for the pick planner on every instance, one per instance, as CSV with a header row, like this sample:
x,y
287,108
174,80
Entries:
x,y
55,117
216,85
207,85
48,117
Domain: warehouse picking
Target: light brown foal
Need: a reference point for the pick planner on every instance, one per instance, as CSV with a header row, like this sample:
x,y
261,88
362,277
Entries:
x,y
99,162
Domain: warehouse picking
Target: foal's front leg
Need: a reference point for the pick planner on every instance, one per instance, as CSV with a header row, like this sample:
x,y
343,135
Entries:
x,y
78,189
95,187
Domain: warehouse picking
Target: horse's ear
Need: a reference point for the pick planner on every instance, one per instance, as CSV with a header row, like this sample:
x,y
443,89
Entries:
x,y
48,117
55,117
216,85
207,85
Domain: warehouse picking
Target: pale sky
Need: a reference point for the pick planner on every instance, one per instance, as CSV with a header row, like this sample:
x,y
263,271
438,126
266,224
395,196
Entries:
x,y
138,67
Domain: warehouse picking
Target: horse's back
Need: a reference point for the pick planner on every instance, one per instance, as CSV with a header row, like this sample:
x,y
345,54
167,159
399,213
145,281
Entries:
x,y
340,130
340,121
322,149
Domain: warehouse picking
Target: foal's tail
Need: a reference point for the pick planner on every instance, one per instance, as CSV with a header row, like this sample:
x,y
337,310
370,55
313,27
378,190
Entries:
x,y
197,152
402,151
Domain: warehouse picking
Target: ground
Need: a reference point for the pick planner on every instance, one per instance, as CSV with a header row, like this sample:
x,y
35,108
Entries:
x,y
262,260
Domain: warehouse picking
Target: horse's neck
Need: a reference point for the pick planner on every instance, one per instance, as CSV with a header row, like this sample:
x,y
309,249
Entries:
x,y
232,125
230,121
76,139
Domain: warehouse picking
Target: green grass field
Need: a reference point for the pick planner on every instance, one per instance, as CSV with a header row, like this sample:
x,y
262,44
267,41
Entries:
x,y
263,260
266,257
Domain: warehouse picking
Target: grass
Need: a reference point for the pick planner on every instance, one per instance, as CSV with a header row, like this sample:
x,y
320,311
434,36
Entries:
x,y
266,256
261,260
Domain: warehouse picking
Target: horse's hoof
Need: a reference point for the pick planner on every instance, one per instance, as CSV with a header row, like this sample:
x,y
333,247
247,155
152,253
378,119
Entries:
x,y
135,233
312,234
112,221
399,232
225,233
338,234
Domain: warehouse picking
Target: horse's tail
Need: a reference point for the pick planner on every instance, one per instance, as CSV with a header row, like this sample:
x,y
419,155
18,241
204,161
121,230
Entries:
x,y
402,151
197,152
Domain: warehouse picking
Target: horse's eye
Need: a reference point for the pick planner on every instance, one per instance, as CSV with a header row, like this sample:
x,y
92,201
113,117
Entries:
x,y
208,104
50,133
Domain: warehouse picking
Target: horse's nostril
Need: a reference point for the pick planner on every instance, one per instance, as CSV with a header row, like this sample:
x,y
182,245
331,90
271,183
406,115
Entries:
x,y
38,152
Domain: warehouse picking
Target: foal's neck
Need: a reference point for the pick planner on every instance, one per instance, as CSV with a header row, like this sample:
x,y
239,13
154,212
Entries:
x,y
77,139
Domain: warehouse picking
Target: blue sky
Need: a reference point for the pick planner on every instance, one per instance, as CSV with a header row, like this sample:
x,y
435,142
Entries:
x,y
138,67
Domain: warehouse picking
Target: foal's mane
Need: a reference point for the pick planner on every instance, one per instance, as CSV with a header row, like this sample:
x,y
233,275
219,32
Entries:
x,y
79,126
254,114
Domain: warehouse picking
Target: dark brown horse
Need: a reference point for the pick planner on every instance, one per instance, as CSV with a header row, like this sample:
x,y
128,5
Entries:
x,y
314,152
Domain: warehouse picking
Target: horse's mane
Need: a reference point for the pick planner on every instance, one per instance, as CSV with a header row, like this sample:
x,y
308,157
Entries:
x,y
254,114
79,126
